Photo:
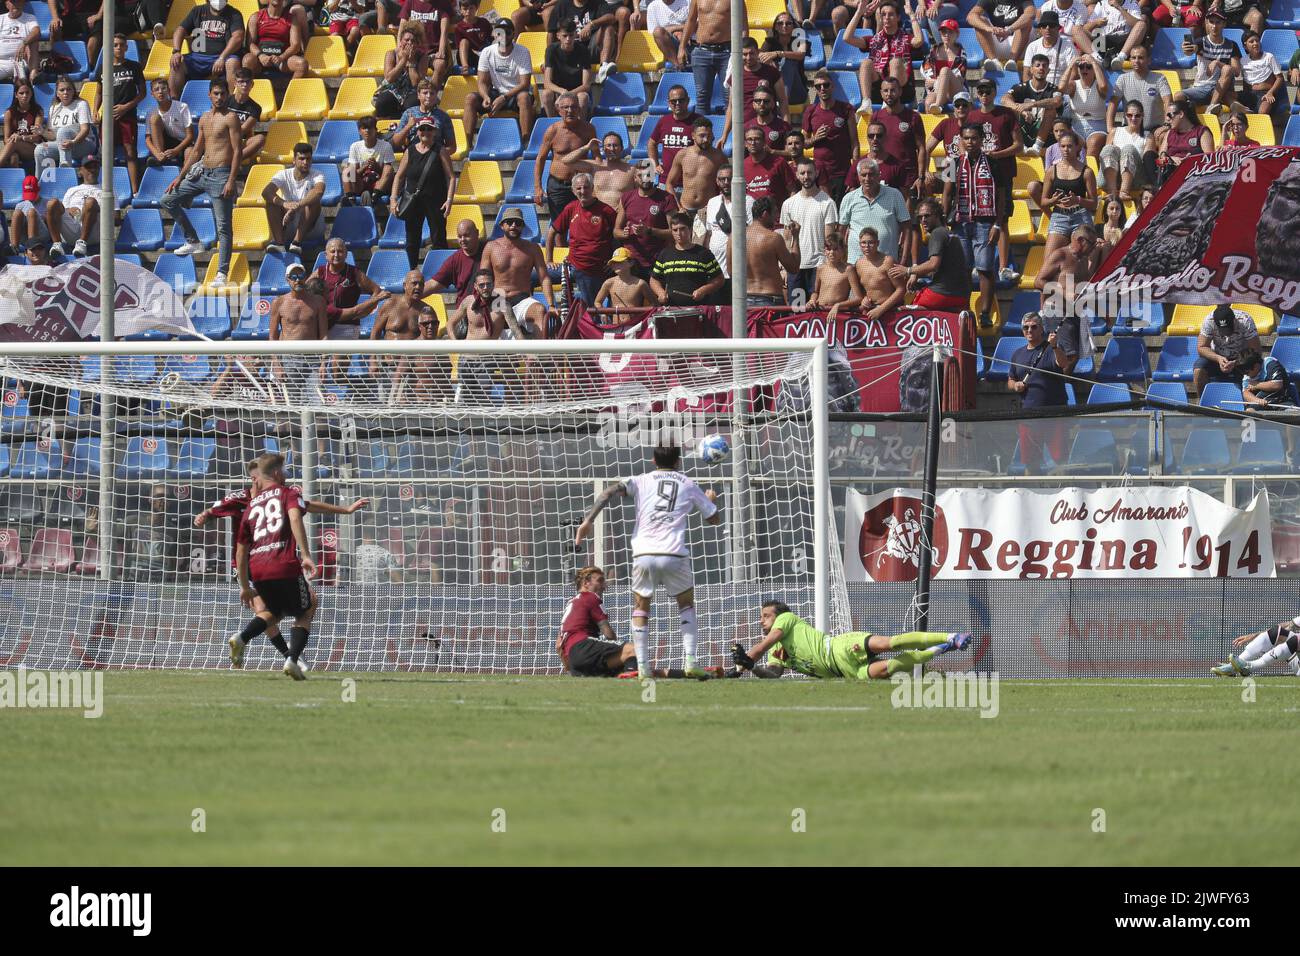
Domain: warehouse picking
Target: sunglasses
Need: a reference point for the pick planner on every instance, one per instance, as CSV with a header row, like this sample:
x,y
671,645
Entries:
x,y
509,222
821,86
678,99
875,136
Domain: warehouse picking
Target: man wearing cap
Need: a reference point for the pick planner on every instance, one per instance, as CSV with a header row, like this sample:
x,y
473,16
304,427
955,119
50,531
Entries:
x,y
76,215
1227,334
1218,64
947,135
570,133
457,271
1003,29
642,222
344,285
512,261
29,214
37,252
293,202
831,130
297,316
587,227
1059,50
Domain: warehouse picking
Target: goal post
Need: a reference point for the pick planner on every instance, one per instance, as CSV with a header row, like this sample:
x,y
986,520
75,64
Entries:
x,y
478,459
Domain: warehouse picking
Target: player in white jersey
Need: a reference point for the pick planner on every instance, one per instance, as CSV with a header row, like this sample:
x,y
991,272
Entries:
x,y
665,499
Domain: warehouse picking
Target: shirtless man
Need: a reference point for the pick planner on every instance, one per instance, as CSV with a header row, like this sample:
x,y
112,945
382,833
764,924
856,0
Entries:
x,y
624,290
880,291
478,318
298,316
399,318
708,25
837,282
569,134
211,167
1062,276
695,168
511,261
764,250
425,378
612,174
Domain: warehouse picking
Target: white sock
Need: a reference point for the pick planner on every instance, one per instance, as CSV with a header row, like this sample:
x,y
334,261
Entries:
x,y
639,642
1257,648
688,633
1294,664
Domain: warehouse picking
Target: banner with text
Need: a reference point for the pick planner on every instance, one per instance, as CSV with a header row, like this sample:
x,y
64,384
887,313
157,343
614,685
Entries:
x,y
1106,533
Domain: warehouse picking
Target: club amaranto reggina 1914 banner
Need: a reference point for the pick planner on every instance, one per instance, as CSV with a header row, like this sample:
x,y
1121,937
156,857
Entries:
x,y
1105,533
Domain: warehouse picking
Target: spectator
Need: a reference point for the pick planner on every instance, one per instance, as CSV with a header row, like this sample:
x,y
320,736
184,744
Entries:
x,y
1069,194
571,133
306,13
76,215
1124,28
829,127
478,317
786,53
431,19
1234,131
927,16
766,173
1037,102
948,135
757,76
342,286
78,20
587,226
532,15
293,203
403,134
796,147
1058,50
610,171
275,46
1051,155
404,69
877,205
666,21
623,290
1112,221
1129,158
1174,13
1086,91
839,10
24,127
249,113
1265,383
835,282
944,69
708,26
298,316
672,132
1077,23
216,34
170,131
369,171
1151,90
1218,64
423,188
1035,375
1184,138
1145,196
457,271
973,205
71,129
37,252
881,291
1249,14
1003,29
685,273
945,264
567,70
1227,334
717,224
344,17
904,135
596,26
1078,259
1002,143
375,564
889,50
1263,88
766,119
19,36
513,261
817,217
143,16
472,35
642,220
128,91
695,169
29,214
505,76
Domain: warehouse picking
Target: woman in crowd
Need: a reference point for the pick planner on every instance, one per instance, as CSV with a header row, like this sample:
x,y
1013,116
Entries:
x,y
1069,194
1112,222
1129,159
24,127
1086,91
423,188
70,134
1184,137
781,51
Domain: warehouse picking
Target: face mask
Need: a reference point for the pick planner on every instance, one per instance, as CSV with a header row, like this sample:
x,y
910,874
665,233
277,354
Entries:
x,y
217,5
645,178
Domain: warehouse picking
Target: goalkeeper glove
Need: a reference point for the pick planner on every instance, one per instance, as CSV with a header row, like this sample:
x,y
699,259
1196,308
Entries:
x,y
740,658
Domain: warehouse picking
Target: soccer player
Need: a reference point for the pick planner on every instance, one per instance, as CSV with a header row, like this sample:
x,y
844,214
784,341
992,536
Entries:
x,y
664,500
583,652
791,642
1276,644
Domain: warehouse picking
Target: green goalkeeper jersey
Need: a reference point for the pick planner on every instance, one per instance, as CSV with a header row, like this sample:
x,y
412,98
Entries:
x,y
802,647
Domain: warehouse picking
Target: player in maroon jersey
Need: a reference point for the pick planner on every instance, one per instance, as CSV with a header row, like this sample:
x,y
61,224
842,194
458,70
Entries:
x,y
587,644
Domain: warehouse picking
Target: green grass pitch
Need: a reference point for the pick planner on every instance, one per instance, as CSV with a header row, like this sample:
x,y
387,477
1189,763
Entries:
x,y
415,769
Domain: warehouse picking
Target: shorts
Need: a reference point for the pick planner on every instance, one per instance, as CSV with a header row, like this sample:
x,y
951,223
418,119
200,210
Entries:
x,y
286,597
521,307
124,132
1003,184
850,663
339,28
1064,223
981,253
1237,18
587,657
929,299
671,572
1201,93
345,330
198,66
558,195
371,18
1084,127
531,17
11,70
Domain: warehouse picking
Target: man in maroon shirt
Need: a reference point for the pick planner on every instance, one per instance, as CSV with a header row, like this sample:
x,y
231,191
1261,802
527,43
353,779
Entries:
x,y
458,271
1002,143
948,135
344,285
892,170
274,561
904,134
766,119
831,130
758,75
672,132
470,36
581,651
767,173
642,221
587,225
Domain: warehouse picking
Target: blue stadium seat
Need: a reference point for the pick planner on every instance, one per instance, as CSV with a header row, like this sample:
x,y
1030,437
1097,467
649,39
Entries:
x,y
1158,392
204,224
122,195
11,185
31,461
1167,50
333,194
1283,14
1281,43
1287,351
210,317
623,94
1002,352
1234,35
141,230
145,459
659,105
614,124
394,236
356,226
4,460
136,369
980,365
643,138
133,52
535,138
255,321
85,458
6,95
130,257
334,140
433,262
409,458
153,183
970,44
44,18
1108,395
816,58
1224,395
844,56
372,460
1149,319
1267,453
74,50
1022,302
197,458
270,275
497,140
1003,80
55,182
192,369
1206,450
388,269
44,95
13,413
521,184
532,228
151,335
846,88
1288,325
1093,451
177,271
195,95
1125,360
1177,359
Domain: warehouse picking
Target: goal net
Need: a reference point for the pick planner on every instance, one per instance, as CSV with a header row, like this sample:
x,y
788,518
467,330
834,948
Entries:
x,y
478,464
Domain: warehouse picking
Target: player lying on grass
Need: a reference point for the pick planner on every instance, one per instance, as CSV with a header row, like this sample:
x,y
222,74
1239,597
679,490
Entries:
x,y
232,506
273,560
791,642
1276,644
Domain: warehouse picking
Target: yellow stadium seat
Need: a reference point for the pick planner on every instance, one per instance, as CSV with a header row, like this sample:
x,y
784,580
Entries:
x,y
458,212
439,306
1187,319
462,143
305,99
355,98
1033,262
762,13
281,137
251,229
479,182
327,56
369,60
759,35
1020,224
1029,169
159,64
237,280
88,91
246,9
534,41
258,177
930,123
454,93
1175,81
639,53
560,254
1040,234
1260,129
177,13
996,314
1265,318
263,94
503,8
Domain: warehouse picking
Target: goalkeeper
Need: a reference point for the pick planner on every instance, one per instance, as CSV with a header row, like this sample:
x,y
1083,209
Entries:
x,y
791,642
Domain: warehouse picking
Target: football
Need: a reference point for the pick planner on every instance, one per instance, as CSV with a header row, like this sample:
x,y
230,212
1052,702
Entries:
x,y
714,449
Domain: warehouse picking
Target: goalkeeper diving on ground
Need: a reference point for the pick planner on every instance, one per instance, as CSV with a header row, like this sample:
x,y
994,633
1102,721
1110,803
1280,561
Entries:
x,y
1279,643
